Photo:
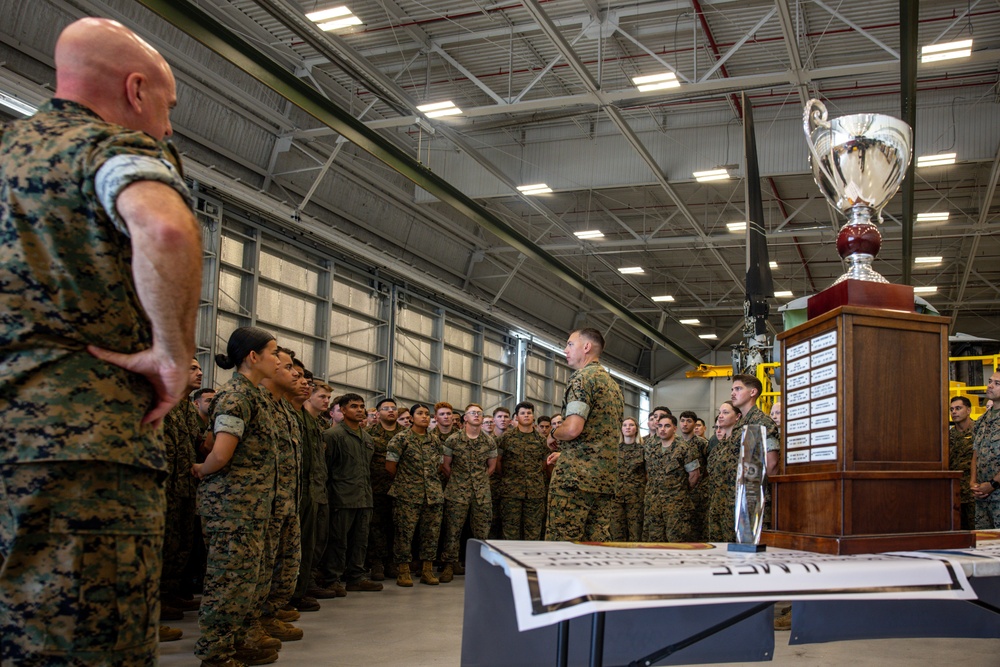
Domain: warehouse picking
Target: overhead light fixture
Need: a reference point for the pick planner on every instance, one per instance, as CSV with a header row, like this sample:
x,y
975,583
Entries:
x,y
928,260
342,17
656,81
935,52
663,298
628,378
589,235
926,289
939,160
783,294
439,109
708,336
933,217
693,320
17,105
736,227
535,189
631,269
773,264
711,175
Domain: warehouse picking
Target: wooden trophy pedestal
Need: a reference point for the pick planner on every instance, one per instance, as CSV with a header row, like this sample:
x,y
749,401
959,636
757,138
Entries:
x,y
861,293
864,451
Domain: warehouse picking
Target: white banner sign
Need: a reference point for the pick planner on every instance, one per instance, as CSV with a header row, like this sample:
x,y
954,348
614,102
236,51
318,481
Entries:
x,y
556,581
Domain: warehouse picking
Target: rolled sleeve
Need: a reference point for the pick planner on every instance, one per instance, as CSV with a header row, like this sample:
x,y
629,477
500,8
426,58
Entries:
x,y
229,424
577,408
121,171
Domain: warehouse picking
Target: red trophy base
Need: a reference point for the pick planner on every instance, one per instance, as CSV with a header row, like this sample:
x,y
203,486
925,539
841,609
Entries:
x,y
861,293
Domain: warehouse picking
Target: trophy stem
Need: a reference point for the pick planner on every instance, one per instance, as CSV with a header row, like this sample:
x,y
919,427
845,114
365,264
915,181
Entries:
x,y
858,244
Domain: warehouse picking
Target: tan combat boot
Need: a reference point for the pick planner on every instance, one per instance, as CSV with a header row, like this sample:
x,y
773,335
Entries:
x,y
427,574
403,578
447,574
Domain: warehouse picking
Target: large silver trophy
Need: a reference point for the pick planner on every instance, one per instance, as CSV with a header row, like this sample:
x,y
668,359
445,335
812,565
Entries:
x,y
858,162
751,481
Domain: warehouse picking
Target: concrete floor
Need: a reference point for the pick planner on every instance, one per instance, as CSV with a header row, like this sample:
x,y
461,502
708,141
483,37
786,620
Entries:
x,y
422,627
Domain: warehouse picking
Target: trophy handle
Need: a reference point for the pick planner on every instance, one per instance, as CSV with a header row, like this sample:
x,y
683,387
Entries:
x,y
815,117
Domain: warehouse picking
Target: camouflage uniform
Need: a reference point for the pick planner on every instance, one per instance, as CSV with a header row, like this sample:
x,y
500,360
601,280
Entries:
x,y
380,531
349,456
235,505
468,487
313,495
669,507
522,490
626,524
723,462
496,484
439,439
283,540
699,494
183,432
986,444
582,489
417,494
960,458
80,476
720,521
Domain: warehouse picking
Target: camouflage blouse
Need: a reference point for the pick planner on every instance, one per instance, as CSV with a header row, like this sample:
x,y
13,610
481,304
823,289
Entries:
x,y
245,487
183,433
631,472
469,461
66,282
381,479
589,463
523,458
417,459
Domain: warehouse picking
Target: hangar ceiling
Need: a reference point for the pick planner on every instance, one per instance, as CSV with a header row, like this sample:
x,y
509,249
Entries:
x,y
546,93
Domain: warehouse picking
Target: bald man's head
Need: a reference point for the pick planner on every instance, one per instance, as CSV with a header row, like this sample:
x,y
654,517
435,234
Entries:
x,y
112,71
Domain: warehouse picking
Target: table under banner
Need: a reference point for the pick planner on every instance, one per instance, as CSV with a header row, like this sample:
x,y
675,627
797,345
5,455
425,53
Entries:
x,y
556,581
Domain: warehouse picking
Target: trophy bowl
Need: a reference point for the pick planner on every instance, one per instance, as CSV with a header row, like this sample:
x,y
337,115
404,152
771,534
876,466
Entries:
x,y
858,162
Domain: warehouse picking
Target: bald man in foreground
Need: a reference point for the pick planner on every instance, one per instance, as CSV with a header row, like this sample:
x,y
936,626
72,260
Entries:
x,y
100,264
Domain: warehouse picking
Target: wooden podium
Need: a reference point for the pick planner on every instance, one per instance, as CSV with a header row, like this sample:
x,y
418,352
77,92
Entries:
x,y
864,452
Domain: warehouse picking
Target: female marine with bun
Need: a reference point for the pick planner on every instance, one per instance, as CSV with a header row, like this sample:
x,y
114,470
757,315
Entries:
x,y
238,480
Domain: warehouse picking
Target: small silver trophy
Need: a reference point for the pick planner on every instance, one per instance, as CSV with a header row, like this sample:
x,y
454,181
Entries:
x,y
858,162
751,476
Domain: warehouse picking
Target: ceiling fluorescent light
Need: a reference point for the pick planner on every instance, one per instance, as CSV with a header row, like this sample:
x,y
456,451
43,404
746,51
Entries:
x,y
656,81
783,294
17,105
935,52
938,160
628,378
439,109
736,227
663,298
589,235
342,18
330,26
708,336
631,269
926,289
773,264
933,217
330,13
693,320
535,189
928,260
711,175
